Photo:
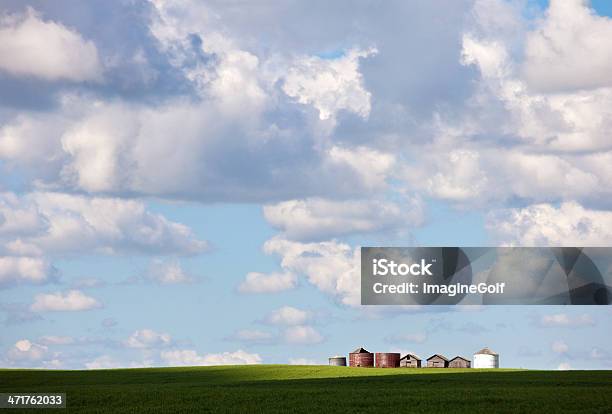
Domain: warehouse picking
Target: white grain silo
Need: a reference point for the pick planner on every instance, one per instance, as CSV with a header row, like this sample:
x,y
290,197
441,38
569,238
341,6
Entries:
x,y
485,358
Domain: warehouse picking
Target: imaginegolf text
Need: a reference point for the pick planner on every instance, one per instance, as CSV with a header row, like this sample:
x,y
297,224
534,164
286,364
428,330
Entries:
x,y
449,290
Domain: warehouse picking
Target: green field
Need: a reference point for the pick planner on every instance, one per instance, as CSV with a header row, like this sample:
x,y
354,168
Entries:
x,y
319,389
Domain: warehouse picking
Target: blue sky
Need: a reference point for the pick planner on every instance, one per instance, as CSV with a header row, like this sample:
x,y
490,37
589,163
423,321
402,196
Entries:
x,y
188,183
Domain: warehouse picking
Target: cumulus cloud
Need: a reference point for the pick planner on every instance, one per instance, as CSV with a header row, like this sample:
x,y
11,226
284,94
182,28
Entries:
x,y
31,46
103,362
568,49
565,320
599,354
56,340
288,315
332,267
302,335
70,224
25,350
570,224
330,85
549,110
69,301
189,357
117,148
167,273
535,128
256,282
564,366
147,338
17,270
316,218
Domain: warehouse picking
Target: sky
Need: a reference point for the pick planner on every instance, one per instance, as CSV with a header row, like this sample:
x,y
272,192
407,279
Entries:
x,y
189,183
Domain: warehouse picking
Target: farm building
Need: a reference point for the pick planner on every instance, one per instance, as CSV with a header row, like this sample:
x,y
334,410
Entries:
x,y
410,361
459,362
485,358
387,360
338,361
361,358
437,361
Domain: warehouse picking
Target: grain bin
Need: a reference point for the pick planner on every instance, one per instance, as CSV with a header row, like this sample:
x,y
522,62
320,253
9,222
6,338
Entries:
x,y
361,358
338,361
387,360
485,358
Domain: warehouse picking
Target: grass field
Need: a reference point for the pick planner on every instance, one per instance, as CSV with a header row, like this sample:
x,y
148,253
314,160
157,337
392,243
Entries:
x,y
319,389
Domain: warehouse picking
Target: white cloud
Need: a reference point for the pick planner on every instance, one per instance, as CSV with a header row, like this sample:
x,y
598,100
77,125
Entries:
x,y
317,218
302,335
16,270
31,46
69,301
535,128
600,355
477,176
332,267
117,147
330,85
56,340
560,120
188,357
563,319
459,176
559,347
148,338
255,282
564,366
236,82
25,350
373,166
288,315
570,224
103,362
74,224
569,49
168,273
303,361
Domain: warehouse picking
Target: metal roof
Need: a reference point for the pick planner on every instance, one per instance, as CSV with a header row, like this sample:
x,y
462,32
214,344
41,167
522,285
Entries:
x,y
413,356
438,355
485,351
460,357
360,351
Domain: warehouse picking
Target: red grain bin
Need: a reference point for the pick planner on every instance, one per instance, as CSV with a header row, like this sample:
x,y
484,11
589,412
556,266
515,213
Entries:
x,y
387,360
361,358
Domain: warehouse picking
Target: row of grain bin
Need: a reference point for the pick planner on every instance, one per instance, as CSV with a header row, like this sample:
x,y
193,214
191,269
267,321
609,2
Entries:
x,y
362,358
485,358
